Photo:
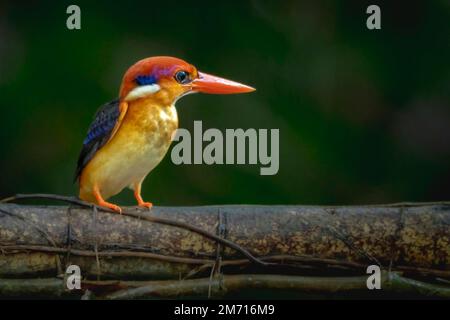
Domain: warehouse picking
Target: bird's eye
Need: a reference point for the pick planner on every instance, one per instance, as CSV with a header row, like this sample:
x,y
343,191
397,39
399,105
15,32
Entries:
x,y
182,77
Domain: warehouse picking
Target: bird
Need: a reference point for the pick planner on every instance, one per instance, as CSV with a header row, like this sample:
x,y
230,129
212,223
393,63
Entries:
x,y
130,135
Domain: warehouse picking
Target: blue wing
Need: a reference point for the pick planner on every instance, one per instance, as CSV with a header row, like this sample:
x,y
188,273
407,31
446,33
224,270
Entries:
x,y
99,132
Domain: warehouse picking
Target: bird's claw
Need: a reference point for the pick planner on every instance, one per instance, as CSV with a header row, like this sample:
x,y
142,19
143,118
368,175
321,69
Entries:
x,y
111,206
147,205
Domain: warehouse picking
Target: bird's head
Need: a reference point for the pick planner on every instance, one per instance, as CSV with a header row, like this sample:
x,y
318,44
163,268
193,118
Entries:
x,y
168,79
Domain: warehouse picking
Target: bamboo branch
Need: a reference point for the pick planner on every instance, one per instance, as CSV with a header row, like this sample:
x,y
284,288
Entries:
x,y
277,259
185,242
218,287
234,283
138,215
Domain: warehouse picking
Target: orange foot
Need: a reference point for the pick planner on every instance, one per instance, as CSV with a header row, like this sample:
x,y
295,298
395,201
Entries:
x,y
137,195
101,202
110,206
145,204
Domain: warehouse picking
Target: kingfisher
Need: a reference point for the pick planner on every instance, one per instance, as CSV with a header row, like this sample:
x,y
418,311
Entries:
x,y
130,136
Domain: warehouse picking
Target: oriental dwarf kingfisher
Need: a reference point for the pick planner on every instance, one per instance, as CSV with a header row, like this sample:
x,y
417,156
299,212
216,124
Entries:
x,y
130,135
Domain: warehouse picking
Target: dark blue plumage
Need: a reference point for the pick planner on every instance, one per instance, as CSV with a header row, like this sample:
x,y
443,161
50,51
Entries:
x,y
146,80
152,78
98,134
103,123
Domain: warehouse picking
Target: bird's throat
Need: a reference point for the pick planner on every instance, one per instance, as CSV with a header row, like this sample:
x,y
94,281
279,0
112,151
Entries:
x,y
155,122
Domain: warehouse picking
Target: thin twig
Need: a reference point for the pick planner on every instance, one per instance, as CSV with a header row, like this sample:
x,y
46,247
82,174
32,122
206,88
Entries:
x,y
121,254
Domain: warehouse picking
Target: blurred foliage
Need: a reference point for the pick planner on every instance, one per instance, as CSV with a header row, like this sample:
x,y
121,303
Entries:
x,y
364,116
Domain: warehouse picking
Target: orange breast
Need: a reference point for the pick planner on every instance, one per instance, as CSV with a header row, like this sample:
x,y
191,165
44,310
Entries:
x,y
140,143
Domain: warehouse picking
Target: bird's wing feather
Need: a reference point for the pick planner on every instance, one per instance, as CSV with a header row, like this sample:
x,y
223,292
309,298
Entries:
x,y
106,122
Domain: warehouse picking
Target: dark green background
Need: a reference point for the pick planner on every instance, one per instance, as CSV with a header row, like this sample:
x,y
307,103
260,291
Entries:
x,y
364,116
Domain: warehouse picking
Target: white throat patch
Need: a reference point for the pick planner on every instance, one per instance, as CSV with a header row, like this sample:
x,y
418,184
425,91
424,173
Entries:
x,y
142,91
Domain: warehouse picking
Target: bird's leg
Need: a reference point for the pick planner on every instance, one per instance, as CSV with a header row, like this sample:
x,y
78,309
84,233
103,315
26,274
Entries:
x,y
137,195
101,202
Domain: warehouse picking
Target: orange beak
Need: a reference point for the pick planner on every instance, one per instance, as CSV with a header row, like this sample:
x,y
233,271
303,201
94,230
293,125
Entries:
x,y
207,83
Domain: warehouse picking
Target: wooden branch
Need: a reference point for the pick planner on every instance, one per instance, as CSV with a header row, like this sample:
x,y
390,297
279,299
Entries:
x,y
234,283
225,285
169,222
186,242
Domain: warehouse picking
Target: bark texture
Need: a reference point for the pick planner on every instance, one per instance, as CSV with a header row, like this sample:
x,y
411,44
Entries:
x,y
413,239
